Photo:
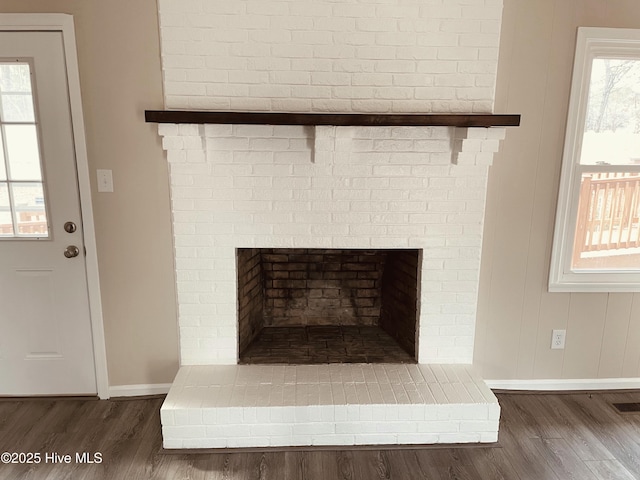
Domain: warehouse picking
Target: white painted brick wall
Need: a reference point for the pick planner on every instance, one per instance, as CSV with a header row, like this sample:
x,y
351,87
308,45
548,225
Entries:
x,y
263,186
326,56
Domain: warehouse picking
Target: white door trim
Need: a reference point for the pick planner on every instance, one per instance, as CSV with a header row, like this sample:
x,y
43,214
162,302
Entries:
x,y
64,23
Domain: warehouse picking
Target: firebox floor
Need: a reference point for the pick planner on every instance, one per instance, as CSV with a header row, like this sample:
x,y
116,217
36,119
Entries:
x,y
317,344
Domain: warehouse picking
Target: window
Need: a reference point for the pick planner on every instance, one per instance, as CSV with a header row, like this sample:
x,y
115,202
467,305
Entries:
x,y
597,236
22,206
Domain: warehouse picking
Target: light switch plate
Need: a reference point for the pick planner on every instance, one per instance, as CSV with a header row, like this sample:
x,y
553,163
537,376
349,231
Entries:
x,y
105,181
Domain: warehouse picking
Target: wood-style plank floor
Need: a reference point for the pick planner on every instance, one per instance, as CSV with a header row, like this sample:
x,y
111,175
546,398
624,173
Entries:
x,y
542,437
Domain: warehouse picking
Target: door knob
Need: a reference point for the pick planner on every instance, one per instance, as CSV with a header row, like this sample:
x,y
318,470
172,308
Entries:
x,y
71,251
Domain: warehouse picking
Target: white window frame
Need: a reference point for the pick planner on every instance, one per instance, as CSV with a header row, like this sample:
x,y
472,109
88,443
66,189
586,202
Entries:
x,y
591,43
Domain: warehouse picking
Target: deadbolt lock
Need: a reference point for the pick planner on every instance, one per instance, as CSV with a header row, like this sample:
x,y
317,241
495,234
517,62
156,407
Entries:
x,y
70,227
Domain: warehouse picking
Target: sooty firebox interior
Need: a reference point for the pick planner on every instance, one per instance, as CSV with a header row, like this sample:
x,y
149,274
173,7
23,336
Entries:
x,y
311,306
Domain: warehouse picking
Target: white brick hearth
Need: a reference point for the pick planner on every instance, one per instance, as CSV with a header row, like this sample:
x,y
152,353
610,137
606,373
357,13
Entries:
x,y
304,405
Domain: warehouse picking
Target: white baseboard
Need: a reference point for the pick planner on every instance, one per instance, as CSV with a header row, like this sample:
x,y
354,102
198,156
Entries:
x,y
564,385
139,390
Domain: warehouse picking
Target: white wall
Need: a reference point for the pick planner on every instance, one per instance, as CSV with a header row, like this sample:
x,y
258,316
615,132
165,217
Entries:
x,y
119,62
516,313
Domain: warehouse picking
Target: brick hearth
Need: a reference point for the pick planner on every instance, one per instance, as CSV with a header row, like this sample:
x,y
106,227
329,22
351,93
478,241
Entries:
x,y
273,406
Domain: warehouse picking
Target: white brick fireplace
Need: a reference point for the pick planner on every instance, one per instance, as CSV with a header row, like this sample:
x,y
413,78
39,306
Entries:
x,y
249,186
293,186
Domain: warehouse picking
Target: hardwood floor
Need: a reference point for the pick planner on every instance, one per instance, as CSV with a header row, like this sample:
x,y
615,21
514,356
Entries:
x,y
542,437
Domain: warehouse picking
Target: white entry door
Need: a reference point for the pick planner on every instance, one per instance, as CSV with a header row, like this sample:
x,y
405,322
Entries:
x,y
45,328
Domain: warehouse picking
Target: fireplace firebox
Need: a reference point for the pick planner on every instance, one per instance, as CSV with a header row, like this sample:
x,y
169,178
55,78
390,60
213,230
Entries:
x,y
309,306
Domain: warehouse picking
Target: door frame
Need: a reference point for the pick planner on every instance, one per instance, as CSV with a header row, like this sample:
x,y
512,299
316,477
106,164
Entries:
x,y
63,23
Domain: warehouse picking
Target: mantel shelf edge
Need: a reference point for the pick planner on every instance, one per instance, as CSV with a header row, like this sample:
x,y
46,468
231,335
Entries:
x,y
334,119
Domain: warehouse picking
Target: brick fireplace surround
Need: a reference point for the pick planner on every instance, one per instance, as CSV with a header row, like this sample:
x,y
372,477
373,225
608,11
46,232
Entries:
x,y
325,187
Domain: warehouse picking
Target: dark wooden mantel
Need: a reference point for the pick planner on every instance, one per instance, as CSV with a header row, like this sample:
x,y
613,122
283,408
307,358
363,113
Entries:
x,y
335,119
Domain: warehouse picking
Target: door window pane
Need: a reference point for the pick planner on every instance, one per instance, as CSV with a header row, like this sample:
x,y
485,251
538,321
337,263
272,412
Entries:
x,y
3,171
22,150
15,77
612,127
22,202
6,225
28,200
17,108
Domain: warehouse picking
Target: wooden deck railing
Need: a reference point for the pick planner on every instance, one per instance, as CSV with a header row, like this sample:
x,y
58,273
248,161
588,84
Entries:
x,y
29,223
609,213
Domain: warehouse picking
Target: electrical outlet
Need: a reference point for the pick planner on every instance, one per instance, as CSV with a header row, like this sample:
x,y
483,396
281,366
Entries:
x,y
558,338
